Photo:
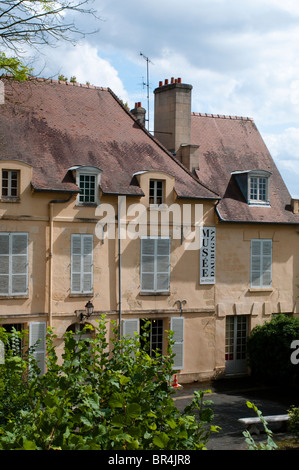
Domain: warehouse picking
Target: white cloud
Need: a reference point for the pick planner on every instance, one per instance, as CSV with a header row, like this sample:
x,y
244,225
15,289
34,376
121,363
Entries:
x,y
83,62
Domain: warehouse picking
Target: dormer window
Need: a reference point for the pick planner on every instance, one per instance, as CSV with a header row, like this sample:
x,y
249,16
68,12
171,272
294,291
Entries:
x,y
258,189
156,192
10,184
88,181
87,185
255,186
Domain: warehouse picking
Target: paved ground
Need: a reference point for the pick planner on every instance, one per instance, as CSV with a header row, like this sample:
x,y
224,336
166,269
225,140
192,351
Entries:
x,y
229,398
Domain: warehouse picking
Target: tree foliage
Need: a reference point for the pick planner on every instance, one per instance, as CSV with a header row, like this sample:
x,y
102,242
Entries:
x,y
33,23
269,350
95,399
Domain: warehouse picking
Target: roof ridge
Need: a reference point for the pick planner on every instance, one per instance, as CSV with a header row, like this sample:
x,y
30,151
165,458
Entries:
x,y
60,82
222,116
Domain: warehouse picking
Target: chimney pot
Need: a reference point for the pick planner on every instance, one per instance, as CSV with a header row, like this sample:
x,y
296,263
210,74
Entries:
x,y
160,83
179,80
172,80
166,81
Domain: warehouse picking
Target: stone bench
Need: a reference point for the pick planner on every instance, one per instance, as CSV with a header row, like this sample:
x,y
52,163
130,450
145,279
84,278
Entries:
x,y
251,423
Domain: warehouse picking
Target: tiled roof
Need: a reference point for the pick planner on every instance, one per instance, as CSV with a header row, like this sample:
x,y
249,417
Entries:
x,y
53,126
230,144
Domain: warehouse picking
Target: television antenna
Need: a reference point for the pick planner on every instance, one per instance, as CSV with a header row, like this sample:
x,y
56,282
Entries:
x,y
147,85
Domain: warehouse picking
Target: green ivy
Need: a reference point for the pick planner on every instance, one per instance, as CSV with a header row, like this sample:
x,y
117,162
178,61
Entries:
x,y
96,399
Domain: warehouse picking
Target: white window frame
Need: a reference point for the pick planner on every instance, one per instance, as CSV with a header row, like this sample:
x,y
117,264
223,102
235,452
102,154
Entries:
x,y
261,177
153,192
154,272
87,171
261,263
11,261
80,270
10,189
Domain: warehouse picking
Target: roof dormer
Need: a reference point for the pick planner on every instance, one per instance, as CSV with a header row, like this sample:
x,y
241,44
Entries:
x,y
254,185
88,180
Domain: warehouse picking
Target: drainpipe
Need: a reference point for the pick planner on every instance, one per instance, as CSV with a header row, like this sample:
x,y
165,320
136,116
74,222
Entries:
x,y
54,201
120,212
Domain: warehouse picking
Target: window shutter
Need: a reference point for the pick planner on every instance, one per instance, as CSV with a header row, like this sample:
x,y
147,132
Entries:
x,y
162,264
87,263
19,263
130,327
4,263
261,263
177,326
37,340
267,263
155,264
81,263
14,263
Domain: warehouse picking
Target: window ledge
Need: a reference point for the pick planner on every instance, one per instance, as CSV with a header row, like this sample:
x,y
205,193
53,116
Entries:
x,y
260,289
10,199
155,293
14,296
82,294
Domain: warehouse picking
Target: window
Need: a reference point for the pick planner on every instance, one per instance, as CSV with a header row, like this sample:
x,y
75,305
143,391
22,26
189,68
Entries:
x,y
81,264
13,263
156,330
88,180
155,264
258,187
154,338
156,191
87,185
261,263
10,184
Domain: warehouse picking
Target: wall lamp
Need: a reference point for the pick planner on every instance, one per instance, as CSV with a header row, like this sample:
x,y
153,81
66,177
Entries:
x,y
88,311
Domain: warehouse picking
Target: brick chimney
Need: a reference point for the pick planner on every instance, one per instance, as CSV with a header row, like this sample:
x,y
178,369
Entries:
x,y
139,113
172,125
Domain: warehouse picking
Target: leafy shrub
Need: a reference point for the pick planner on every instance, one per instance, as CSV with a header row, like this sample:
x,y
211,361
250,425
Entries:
x,y
97,400
269,350
294,420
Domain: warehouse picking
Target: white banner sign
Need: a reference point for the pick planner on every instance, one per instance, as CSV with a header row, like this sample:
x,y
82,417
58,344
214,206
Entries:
x,y
207,255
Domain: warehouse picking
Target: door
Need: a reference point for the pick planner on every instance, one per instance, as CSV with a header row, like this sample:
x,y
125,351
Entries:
x,y
235,344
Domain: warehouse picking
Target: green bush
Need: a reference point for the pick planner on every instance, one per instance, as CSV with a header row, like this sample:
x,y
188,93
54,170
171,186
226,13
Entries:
x,y
96,400
294,420
269,350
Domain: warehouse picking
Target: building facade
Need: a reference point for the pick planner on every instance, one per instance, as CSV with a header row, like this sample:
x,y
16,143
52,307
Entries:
x,y
96,210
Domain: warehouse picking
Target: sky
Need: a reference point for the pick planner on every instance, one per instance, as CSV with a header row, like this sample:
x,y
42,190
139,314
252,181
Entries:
x,y
240,56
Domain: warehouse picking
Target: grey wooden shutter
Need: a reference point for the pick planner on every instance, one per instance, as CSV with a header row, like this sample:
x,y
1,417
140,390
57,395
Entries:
x,y
162,264
19,263
261,263
14,263
155,264
87,263
4,263
177,326
130,327
267,263
37,340
81,263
